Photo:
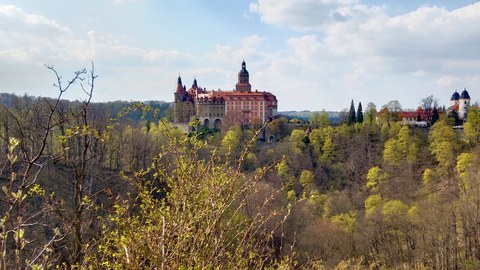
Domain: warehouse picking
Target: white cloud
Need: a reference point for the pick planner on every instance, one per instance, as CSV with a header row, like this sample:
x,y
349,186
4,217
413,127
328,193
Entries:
x,y
14,13
252,41
250,49
121,2
447,81
419,73
19,55
301,15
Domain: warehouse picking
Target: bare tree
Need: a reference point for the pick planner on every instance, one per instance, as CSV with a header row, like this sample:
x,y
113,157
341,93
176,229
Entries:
x,y
29,151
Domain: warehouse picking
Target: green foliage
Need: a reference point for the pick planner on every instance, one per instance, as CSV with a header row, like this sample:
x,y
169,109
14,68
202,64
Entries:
x,y
320,118
282,168
371,113
372,203
472,126
375,178
465,161
351,118
394,211
328,149
443,144
347,221
306,178
296,140
359,113
192,214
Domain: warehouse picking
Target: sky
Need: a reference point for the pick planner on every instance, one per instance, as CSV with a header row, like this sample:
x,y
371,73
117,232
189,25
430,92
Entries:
x,y
312,54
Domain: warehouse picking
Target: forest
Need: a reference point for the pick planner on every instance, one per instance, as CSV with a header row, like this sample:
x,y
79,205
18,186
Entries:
x,y
86,186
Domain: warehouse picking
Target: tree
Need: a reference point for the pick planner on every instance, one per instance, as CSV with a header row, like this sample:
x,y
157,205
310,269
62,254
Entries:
x,y
351,115
306,179
328,149
455,120
360,113
435,116
472,126
428,104
443,144
320,118
371,113
393,109
30,225
191,214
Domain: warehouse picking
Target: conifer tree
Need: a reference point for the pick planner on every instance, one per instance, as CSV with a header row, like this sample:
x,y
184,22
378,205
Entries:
x,y
435,116
351,114
360,113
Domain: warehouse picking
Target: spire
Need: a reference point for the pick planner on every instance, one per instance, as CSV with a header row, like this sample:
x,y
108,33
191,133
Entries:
x,y
243,84
179,84
195,85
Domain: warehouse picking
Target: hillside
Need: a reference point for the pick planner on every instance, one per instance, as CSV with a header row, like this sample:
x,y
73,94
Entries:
x,y
77,185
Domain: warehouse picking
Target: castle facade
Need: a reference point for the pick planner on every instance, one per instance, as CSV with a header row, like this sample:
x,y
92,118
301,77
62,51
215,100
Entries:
x,y
214,108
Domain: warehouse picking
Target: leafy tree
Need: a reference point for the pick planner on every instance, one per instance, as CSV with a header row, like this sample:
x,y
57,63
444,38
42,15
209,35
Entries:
x,y
472,126
465,161
320,118
371,113
297,140
306,178
328,149
347,221
375,178
372,203
360,113
453,115
443,143
392,111
191,213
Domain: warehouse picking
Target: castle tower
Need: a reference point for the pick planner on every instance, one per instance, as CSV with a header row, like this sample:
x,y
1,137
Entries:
x,y
182,105
243,84
195,84
455,99
463,105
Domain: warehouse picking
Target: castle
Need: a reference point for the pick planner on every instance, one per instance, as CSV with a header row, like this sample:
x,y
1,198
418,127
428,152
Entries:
x,y
460,103
214,108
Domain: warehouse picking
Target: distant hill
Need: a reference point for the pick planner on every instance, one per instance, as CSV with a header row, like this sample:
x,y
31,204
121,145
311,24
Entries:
x,y
305,115
112,108
162,107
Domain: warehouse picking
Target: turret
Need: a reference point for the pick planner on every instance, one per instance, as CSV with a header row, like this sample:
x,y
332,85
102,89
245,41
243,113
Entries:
x,y
179,84
195,85
463,104
243,84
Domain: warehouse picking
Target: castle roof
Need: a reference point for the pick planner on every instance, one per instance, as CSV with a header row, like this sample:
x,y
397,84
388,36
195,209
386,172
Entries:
x,y
254,95
455,96
465,94
243,71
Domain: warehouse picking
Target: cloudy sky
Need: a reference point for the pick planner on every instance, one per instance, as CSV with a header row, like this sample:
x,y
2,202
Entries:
x,y
312,54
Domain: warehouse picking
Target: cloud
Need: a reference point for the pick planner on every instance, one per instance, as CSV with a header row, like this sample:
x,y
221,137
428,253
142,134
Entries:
x,y
365,54
250,49
121,2
17,15
302,15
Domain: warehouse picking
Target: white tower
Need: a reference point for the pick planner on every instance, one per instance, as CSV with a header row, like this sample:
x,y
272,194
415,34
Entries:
x,y
463,105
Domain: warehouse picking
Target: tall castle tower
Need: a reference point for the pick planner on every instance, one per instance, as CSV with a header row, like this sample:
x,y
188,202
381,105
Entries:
x,y
183,106
243,84
463,104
